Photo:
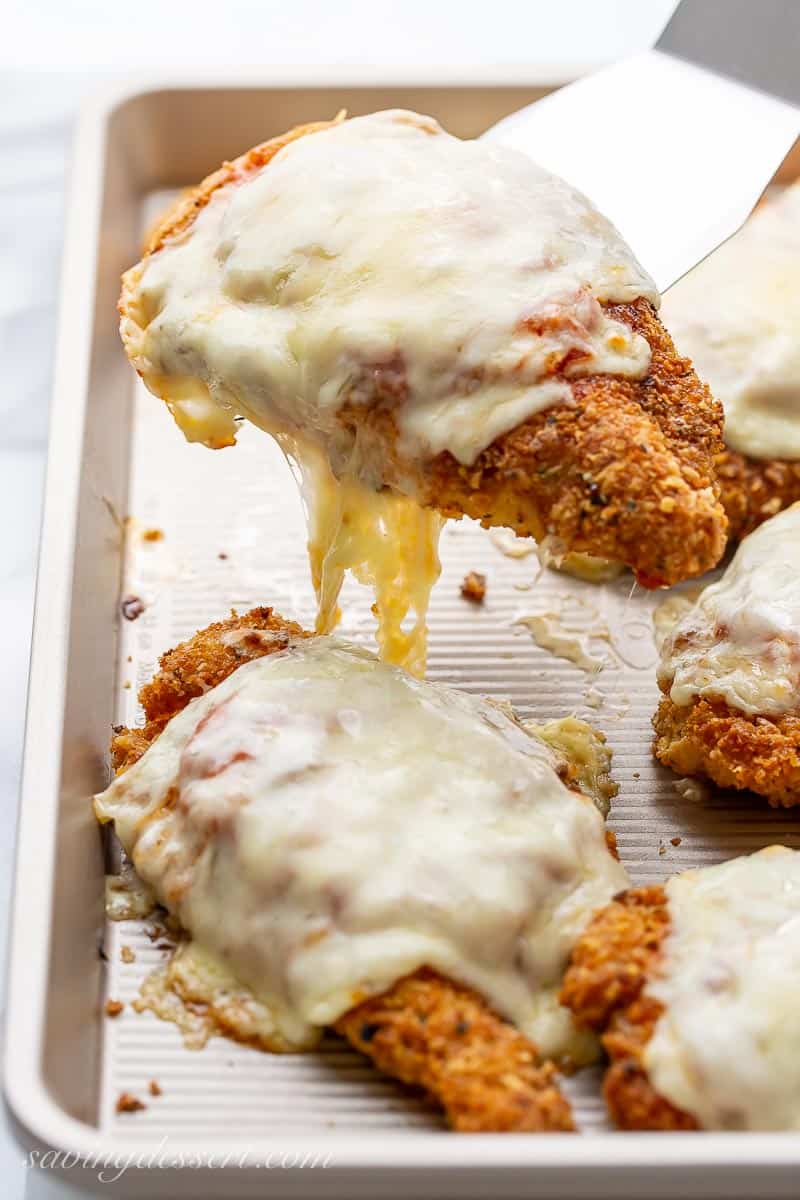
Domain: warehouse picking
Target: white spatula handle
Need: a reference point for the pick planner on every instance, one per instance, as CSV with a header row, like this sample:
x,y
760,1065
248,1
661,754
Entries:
x,y
756,42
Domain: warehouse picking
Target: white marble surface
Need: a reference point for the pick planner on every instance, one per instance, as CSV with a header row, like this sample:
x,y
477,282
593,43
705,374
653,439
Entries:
x,y
52,55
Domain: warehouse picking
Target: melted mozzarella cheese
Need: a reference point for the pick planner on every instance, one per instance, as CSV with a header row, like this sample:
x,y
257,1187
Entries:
x,y
323,824
452,278
385,539
737,316
383,264
727,1046
741,641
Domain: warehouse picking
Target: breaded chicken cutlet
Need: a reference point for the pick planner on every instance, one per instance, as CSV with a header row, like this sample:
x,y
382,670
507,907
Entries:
x,y
426,1030
572,419
693,989
730,673
734,749
603,987
754,489
737,315
195,666
435,1034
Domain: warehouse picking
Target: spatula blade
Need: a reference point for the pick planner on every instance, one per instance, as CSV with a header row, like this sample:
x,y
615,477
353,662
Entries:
x,y
677,156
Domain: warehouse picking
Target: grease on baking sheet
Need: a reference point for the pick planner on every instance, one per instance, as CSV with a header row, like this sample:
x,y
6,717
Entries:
x,y
548,631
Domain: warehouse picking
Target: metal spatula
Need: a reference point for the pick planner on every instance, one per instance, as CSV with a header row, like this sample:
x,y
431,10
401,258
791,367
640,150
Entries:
x,y
677,144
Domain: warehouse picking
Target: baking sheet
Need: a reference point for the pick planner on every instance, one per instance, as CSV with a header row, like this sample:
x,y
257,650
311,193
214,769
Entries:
x,y
114,451
234,537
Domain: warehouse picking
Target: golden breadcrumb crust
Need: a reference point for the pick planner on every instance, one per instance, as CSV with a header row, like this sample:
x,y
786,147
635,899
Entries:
x,y
195,666
624,470
426,1030
755,489
612,961
756,753
440,1036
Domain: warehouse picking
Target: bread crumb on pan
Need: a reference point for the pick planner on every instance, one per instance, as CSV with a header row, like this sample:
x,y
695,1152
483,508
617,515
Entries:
x,y
473,587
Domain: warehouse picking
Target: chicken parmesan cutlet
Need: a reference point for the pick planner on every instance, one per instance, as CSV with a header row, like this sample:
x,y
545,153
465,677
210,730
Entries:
x,y
357,849
737,316
730,672
430,328
692,987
